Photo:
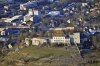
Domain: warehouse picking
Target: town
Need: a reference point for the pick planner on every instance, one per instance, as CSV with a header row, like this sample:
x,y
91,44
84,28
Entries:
x,y
50,23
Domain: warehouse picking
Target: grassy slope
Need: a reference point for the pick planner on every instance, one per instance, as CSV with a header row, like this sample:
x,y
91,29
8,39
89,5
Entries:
x,y
33,55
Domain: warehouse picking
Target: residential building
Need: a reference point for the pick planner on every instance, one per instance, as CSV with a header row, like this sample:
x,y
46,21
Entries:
x,y
11,19
84,4
70,28
38,41
28,5
30,12
2,32
27,18
76,37
57,35
22,7
2,29
27,41
6,7
35,41
67,41
36,12
10,46
3,39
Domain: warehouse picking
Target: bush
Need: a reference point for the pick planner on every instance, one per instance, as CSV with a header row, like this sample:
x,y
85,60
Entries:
x,y
9,62
44,45
28,59
54,45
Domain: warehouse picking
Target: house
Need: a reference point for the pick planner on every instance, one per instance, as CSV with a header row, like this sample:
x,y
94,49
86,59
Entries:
x,y
10,46
70,28
67,41
27,41
30,12
84,4
6,7
95,39
4,39
32,19
69,21
58,36
36,12
38,41
11,19
28,5
50,1
35,41
14,24
29,16
2,29
54,13
76,37
22,7
26,18
2,32
7,19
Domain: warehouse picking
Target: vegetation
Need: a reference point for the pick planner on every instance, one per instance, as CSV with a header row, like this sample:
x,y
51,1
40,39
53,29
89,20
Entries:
x,y
44,56
96,1
32,55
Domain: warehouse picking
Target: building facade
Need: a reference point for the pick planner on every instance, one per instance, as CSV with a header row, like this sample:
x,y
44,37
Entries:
x,y
38,41
76,37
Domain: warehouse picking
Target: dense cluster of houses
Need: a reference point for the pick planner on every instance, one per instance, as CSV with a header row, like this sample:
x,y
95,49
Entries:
x,y
65,23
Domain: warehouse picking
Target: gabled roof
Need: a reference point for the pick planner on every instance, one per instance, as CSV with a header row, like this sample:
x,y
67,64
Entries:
x,y
57,32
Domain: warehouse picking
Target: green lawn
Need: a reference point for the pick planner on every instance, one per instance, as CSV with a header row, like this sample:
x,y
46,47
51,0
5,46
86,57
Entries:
x,y
38,56
33,55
